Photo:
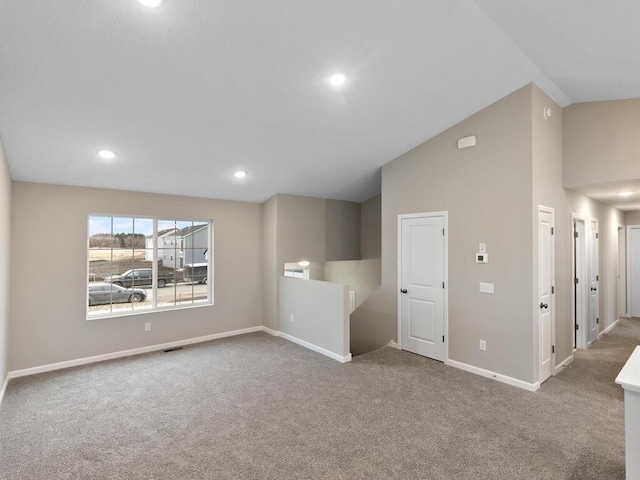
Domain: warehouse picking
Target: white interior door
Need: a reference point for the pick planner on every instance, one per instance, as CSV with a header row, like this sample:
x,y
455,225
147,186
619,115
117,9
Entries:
x,y
580,282
421,279
633,270
545,283
593,283
622,273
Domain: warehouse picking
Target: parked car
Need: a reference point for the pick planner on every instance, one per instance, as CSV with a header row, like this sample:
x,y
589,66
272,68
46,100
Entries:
x,y
195,273
139,277
106,294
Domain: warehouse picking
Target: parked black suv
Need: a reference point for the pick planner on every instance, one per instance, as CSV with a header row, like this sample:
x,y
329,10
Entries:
x,y
139,277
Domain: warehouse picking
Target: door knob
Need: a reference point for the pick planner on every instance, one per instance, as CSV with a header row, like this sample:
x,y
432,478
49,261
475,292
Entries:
x,y
403,290
593,289
544,305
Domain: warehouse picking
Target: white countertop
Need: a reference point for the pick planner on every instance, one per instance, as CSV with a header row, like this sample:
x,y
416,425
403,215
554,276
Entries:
x,y
629,376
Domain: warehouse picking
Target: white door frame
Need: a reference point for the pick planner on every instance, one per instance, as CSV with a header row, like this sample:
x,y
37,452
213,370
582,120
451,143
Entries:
x,y
536,303
591,259
581,270
622,271
630,272
445,307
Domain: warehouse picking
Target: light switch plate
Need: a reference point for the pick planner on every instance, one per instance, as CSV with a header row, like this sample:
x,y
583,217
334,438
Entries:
x,y
486,287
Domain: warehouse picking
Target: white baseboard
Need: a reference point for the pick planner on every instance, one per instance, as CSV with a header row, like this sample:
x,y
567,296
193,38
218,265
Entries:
x,y
127,353
565,363
275,333
4,388
310,346
393,344
609,328
532,387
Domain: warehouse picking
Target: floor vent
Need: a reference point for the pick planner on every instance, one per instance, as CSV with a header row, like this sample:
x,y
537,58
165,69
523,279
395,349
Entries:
x,y
172,349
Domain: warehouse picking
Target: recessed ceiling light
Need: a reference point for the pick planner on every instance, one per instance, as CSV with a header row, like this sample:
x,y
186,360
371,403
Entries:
x,y
240,174
150,3
303,263
107,154
625,194
337,79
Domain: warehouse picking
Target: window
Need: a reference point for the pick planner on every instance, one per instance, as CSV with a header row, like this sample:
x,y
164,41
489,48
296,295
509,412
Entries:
x,y
297,273
127,274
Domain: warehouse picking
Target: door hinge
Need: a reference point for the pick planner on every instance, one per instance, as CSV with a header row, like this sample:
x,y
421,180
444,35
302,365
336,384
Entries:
x,y
553,349
597,235
576,281
442,338
551,230
575,234
553,289
577,327
597,278
442,284
597,320
443,232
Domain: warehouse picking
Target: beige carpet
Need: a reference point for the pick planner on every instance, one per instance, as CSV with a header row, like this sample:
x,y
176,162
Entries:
x,y
259,407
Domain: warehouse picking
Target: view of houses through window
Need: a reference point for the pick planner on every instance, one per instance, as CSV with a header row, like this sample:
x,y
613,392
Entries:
x,y
137,264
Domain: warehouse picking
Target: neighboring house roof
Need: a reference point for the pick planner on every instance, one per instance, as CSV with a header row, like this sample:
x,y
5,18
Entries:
x,y
191,230
164,232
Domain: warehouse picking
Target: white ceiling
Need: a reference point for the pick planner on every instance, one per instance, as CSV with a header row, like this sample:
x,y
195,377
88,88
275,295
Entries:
x,y
608,193
191,91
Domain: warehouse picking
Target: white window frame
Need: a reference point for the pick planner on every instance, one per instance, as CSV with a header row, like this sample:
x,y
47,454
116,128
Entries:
x,y
154,287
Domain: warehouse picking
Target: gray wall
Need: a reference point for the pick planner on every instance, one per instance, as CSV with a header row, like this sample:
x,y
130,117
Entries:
x,y
305,228
320,313
601,142
370,228
632,218
362,276
549,192
269,266
487,191
5,255
48,324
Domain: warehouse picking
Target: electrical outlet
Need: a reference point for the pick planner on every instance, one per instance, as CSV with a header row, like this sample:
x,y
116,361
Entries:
x,y
483,345
147,327
291,318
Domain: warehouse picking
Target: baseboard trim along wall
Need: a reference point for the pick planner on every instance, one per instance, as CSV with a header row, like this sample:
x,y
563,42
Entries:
x,y
127,353
4,388
393,344
310,346
609,328
565,363
532,387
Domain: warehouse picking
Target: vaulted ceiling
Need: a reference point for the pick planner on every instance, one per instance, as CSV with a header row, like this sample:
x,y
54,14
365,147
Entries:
x,y
189,92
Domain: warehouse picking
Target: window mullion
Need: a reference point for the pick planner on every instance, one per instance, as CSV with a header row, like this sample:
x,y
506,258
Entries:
x,y
154,270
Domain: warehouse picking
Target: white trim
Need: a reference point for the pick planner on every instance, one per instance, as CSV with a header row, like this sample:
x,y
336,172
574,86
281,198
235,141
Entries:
x,y
275,333
629,269
4,388
608,329
127,353
596,274
310,346
393,344
445,253
514,382
565,363
583,275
